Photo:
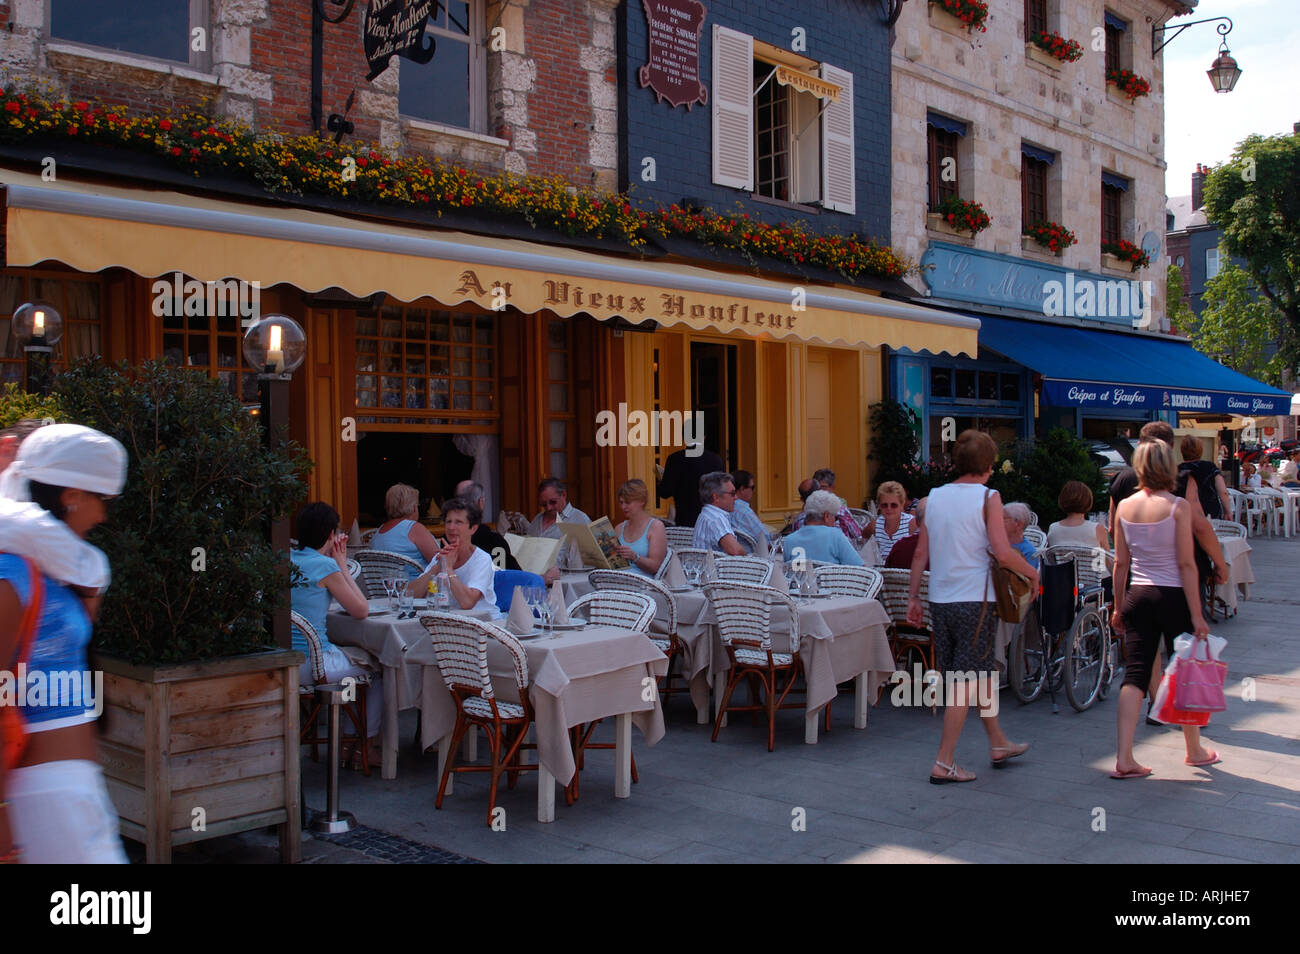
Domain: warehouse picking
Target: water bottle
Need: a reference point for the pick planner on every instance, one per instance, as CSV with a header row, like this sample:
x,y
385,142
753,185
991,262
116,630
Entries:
x,y
444,591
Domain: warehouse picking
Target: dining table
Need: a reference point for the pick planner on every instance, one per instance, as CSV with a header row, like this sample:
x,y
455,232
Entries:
x,y
841,638
388,639
575,677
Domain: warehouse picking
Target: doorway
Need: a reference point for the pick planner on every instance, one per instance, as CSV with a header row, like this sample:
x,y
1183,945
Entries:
x,y
713,394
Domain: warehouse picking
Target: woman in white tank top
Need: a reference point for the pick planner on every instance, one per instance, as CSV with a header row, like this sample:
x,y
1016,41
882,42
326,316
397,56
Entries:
x,y
964,519
1076,529
1153,538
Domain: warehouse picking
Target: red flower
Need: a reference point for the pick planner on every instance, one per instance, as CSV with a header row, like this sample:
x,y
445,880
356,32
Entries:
x,y
164,124
176,150
81,107
72,130
13,107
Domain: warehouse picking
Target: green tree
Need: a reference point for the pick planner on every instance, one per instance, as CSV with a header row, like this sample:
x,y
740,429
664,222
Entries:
x,y
1054,461
1255,199
1181,316
16,404
894,447
1238,329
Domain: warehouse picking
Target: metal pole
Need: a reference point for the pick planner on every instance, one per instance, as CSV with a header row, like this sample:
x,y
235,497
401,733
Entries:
x,y
273,391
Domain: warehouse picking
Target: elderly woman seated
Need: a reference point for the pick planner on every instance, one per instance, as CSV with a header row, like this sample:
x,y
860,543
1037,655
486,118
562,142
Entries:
x,y
1015,517
820,537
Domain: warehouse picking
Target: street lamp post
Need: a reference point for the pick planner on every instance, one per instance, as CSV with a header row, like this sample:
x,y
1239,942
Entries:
x,y
276,346
38,327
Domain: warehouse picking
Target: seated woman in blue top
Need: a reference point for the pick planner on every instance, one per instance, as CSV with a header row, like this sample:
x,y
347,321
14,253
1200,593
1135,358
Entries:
x,y
1015,517
641,537
402,532
469,570
54,805
322,573
820,538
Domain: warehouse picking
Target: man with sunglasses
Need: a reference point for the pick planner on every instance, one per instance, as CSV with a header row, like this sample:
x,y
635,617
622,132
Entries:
x,y
713,526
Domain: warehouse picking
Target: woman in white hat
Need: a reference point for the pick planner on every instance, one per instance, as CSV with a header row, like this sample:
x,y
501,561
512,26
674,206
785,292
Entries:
x,y
54,806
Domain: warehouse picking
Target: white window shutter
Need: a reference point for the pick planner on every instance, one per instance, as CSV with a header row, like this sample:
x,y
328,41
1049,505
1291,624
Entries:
x,y
733,108
838,165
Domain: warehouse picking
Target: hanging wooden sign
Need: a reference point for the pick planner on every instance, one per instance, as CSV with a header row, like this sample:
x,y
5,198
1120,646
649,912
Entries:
x,y
673,70
396,28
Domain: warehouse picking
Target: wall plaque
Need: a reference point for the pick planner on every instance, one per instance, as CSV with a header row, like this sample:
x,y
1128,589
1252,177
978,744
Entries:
x,y
396,28
673,70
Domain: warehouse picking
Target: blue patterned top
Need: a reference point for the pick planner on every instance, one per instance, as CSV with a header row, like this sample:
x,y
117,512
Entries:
x,y
309,597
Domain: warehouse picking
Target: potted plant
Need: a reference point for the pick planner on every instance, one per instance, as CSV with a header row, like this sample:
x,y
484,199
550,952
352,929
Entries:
x,y
1052,236
1128,83
200,725
1051,49
1118,255
955,216
971,14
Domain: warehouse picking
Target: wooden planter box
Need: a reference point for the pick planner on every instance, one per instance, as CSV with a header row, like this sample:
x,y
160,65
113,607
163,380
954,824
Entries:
x,y
220,737
1117,96
944,20
1115,264
937,223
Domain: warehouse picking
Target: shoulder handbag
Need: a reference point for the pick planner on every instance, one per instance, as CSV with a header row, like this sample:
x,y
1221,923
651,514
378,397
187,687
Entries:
x,y
13,735
1012,593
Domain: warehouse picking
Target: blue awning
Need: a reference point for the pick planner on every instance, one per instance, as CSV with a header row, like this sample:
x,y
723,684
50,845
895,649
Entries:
x,y
1091,369
946,124
1115,23
1114,181
1042,155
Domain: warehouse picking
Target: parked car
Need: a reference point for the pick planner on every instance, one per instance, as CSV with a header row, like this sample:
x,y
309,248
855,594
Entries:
x,y
1108,458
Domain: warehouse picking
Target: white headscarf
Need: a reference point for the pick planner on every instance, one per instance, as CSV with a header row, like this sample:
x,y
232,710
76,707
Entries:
x,y
63,455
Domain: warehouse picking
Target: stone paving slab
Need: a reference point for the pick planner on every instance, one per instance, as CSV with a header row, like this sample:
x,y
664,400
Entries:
x,y
864,795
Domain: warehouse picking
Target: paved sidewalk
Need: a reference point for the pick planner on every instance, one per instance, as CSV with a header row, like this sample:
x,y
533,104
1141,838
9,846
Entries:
x,y
863,795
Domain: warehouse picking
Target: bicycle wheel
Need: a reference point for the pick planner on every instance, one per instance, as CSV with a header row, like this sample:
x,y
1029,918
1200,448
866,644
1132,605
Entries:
x,y
1085,659
1026,658
1113,662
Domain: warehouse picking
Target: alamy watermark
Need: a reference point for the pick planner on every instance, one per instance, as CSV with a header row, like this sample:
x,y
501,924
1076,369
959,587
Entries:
x,y
929,688
188,297
53,689
624,428
1084,297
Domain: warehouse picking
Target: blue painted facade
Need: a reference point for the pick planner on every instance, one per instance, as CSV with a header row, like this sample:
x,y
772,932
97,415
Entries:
x,y
848,34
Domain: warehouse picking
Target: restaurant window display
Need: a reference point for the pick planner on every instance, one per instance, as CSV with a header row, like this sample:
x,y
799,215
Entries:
x,y
211,344
162,29
79,301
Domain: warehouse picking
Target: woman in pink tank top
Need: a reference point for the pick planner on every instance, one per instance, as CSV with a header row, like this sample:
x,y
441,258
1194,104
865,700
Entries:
x,y
1161,599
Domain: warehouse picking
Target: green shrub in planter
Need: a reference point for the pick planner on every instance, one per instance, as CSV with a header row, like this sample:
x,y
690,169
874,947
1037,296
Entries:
x,y
894,445
193,570
1054,461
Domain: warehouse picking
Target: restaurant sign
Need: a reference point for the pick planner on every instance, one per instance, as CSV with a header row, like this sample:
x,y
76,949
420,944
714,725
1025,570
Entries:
x,y
396,28
1137,398
673,70
636,303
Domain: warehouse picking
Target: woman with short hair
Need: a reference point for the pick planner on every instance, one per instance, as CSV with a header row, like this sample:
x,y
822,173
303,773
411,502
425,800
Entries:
x,y
1156,594
641,538
402,532
965,519
892,522
469,570
1076,529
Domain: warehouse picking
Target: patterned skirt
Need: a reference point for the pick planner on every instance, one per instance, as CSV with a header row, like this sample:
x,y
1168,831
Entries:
x,y
962,642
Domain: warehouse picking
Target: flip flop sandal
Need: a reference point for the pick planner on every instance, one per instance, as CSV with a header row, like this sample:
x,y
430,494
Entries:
x,y
1015,751
1211,759
950,778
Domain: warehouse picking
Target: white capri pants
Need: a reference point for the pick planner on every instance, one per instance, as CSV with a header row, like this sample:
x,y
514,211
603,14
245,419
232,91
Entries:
x,y
61,814
337,665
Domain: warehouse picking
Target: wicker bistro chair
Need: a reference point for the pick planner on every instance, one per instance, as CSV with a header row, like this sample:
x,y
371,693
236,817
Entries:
x,y
743,569
380,565
1033,519
744,618
608,607
460,645
354,570
1227,528
863,517
690,556
745,540
861,581
310,701
680,538
1037,538
905,638
663,628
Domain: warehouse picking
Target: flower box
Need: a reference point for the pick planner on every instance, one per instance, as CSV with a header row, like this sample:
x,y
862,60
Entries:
x,y
1029,244
964,15
936,223
1114,263
1127,84
1042,58
1055,46
1123,255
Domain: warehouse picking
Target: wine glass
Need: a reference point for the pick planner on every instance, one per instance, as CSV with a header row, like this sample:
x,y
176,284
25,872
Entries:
x,y
393,593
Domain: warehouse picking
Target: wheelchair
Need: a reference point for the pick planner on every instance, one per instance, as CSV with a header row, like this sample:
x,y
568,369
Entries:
x,y
1066,640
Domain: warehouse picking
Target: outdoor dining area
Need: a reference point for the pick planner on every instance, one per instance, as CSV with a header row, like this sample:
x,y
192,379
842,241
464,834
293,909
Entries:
x,y
541,671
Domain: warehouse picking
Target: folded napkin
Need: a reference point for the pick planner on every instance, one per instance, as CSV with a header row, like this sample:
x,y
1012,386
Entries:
x,y
710,568
354,535
574,555
674,576
778,581
870,552
520,618
559,612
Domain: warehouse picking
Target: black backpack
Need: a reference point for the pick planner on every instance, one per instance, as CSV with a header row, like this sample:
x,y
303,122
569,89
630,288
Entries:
x,y
1204,472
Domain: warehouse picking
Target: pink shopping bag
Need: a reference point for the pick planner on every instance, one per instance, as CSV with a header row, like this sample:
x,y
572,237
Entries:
x,y
1200,681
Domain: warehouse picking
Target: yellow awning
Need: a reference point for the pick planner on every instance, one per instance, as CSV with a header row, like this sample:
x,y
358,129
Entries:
x,y
156,233
822,89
